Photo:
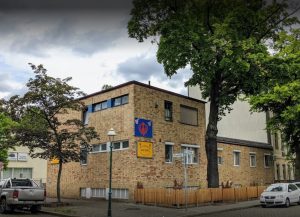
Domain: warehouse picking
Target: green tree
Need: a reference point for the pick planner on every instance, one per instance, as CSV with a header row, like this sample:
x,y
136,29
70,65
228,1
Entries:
x,y
281,94
223,42
46,120
5,128
106,86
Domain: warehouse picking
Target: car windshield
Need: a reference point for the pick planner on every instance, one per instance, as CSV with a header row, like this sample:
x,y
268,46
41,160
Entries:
x,y
275,188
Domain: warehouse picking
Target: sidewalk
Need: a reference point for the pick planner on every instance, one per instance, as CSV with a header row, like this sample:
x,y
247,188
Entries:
x,y
98,208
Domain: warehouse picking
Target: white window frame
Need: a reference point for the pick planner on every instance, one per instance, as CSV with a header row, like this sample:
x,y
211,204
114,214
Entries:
x,y
250,162
220,157
172,150
267,154
234,158
100,148
189,159
121,145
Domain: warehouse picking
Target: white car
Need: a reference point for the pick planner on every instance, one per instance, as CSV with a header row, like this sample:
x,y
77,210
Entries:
x,y
280,194
297,184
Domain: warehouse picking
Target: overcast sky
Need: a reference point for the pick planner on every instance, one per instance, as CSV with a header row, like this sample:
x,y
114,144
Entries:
x,y
86,40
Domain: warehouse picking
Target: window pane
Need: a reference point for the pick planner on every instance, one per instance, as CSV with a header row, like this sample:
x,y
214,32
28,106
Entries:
x,y
103,147
116,145
83,156
168,153
188,115
97,107
104,105
125,99
125,144
95,148
117,101
236,158
168,111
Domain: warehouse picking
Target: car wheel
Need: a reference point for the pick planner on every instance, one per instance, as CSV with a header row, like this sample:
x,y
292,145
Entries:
x,y
35,209
287,202
3,206
299,201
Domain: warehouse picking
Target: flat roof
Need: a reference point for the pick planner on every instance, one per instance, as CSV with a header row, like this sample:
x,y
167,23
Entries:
x,y
143,85
244,143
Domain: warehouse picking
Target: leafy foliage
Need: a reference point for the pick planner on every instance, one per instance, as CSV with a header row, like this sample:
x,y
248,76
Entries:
x,y
223,42
48,121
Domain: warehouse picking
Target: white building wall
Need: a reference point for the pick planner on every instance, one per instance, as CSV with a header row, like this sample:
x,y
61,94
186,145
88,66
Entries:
x,y
239,123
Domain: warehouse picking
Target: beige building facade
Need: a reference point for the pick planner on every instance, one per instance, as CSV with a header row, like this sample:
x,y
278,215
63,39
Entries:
x,y
21,165
241,124
153,127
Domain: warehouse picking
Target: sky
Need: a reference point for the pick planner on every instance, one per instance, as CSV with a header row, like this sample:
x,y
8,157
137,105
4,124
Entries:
x,y
83,39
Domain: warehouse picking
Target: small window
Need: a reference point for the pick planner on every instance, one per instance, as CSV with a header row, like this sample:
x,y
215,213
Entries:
x,y
252,157
168,111
85,116
188,115
267,160
99,148
116,145
83,156
124,99
117,101
220,160
236,158
192,156
168,153
100,106
125,144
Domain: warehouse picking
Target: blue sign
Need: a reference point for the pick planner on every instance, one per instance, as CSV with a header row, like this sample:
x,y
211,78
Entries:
x,y
142,128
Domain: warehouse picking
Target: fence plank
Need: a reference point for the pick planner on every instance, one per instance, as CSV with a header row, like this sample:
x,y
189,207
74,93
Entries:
x,y
241,194
228,194
216,194
260,189
252,192
203,196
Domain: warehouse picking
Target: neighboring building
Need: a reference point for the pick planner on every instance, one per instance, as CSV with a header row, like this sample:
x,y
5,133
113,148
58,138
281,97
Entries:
x,y
21,165
152,125
241,124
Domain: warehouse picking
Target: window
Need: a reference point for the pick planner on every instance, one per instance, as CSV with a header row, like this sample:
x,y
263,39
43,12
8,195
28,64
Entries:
x,y
83,156
85,116
168,111
292,187
267,160
188,115
120,145
192,153
99,148
168,152
100,106
236,158
17,173
252,157
120,100
220,158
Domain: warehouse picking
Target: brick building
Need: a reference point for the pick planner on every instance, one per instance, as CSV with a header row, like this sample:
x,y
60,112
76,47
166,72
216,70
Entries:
x,y
152,124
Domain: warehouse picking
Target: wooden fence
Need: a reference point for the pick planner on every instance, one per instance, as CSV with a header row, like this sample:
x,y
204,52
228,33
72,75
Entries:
x,y
172,197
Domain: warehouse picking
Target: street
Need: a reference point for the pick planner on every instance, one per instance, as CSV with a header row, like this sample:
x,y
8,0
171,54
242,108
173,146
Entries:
x,y
292,211
25,214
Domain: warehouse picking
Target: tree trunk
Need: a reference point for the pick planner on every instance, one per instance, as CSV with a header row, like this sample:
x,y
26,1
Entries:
x,y
297,163
211,134
58,181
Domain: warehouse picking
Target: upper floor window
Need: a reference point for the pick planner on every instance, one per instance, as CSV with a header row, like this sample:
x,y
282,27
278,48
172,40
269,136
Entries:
x,y
236,158
85,116
100,106
83,156
168,111
220,156
120,100
252,157
188,115
267,160
120,145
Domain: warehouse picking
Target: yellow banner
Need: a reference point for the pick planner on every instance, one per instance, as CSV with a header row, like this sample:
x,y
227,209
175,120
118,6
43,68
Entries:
x,y
145,149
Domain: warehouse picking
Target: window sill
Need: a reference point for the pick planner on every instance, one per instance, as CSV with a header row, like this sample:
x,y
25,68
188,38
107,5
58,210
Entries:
x,y
83,164
197,125
252,166
168,162
236,165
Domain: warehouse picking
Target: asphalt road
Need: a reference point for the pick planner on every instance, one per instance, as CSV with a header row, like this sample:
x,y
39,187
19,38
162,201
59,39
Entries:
x,y
292,211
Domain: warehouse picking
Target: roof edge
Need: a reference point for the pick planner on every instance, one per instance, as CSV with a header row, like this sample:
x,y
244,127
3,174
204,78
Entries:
x,y
242,142
143,85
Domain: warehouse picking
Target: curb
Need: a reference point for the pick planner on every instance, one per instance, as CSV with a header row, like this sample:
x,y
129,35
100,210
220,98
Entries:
x,y
220,211
58,214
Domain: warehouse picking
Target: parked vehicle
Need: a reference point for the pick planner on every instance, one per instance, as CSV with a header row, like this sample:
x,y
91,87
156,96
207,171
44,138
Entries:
x,y
21,194
280,194
297,184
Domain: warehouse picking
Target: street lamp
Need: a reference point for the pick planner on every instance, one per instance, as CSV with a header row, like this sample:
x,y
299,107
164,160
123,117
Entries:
x,y
111,133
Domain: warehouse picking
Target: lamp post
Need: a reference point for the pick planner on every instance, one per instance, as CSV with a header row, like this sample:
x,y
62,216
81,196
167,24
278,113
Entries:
x,y
111,133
